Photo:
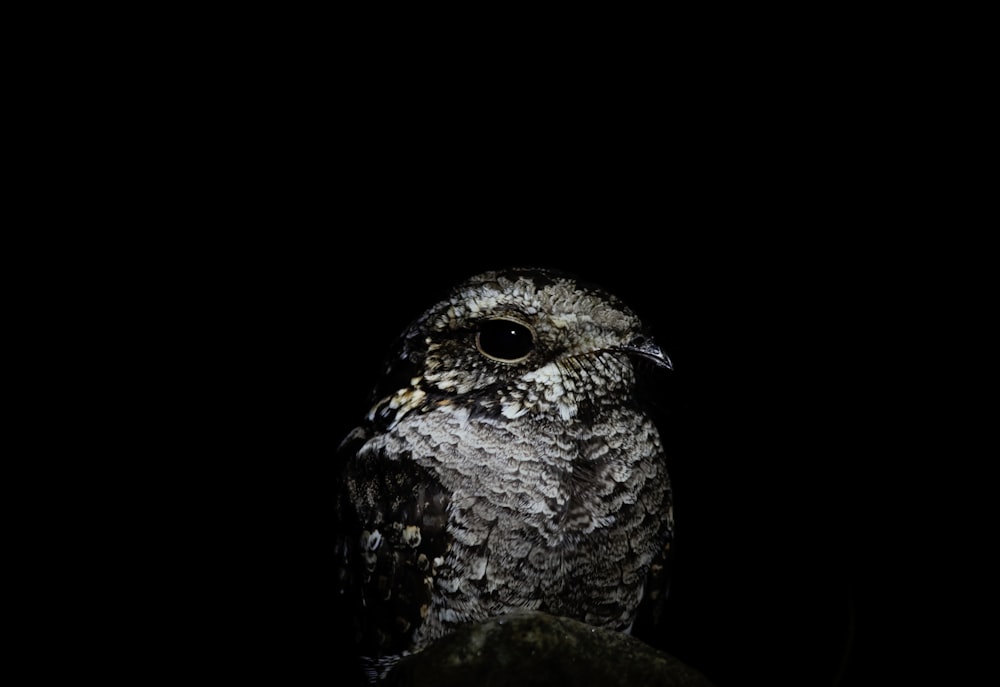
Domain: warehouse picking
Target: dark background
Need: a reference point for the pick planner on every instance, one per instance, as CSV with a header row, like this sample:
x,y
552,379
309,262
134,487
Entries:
x,y
768,251
785,208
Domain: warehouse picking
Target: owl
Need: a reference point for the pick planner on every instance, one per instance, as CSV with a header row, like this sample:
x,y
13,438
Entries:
x,y
506,463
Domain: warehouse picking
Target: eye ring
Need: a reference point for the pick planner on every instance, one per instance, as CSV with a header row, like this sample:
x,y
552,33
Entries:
x,y
505,339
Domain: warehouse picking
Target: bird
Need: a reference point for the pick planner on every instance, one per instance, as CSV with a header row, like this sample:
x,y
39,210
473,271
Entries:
x,y
507,463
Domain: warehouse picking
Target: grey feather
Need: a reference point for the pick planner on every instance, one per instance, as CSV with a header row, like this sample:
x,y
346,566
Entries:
x,y
510,466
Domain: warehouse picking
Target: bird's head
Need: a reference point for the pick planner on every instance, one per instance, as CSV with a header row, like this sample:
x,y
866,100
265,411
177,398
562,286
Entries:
x,y
518,342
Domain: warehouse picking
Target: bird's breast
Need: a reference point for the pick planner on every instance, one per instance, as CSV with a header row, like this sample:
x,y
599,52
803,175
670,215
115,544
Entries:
x,y
557,479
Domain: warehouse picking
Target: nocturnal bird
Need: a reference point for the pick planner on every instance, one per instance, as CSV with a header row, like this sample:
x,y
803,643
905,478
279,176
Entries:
x,y
506,463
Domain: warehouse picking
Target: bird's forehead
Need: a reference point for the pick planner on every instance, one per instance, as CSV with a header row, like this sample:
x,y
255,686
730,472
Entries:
x,y
545,299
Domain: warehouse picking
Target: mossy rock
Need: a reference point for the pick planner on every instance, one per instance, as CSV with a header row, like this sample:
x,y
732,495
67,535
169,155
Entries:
x,y
526,649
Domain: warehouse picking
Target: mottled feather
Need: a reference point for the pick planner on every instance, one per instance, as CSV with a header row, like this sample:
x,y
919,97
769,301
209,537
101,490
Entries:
x,y
506,463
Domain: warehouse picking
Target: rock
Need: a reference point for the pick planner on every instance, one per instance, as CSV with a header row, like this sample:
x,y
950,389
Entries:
x,y
531,648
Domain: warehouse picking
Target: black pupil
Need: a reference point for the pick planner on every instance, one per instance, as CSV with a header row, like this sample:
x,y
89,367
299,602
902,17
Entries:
x,y
505,339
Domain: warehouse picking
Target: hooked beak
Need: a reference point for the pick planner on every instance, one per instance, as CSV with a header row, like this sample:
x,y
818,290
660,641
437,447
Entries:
x,y
647,348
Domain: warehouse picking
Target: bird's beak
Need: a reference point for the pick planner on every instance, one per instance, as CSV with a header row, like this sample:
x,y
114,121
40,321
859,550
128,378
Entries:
x,y
647,348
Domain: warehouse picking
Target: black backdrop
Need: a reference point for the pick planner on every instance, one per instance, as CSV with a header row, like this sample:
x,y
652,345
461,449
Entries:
x,y
779,218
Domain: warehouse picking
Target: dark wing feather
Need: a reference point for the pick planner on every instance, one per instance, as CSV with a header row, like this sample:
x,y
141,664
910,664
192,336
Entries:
x,y
392,515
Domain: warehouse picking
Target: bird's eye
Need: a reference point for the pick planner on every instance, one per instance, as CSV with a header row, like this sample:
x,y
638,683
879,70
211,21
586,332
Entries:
x,y
506,340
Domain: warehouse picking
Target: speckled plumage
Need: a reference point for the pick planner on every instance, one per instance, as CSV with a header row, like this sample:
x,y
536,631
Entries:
x,y
505,464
